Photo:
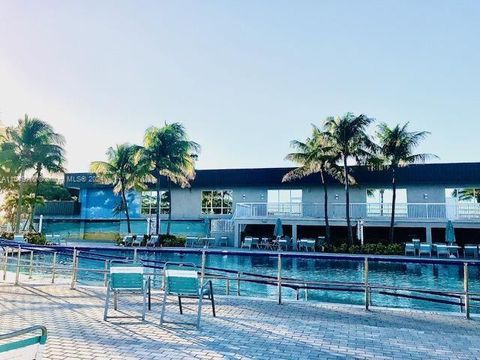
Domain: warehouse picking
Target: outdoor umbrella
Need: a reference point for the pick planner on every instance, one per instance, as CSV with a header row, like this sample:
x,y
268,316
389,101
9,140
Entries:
x,y
450,233
278,230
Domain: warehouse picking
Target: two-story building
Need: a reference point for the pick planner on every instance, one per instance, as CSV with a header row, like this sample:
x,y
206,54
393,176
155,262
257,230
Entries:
x,y
249,201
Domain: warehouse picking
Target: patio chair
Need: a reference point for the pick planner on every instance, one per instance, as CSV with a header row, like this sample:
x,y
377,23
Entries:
x,y
49,239
128,240
284,243
264,243
154,240
137,240
247,242
322,242
410,249
307,244
183,281
470,250
23,348
18,238
125,278
191,241
425,249
442,250
223,241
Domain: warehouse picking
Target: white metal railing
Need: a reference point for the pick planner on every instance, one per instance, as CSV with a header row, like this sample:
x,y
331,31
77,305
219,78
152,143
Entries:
x,y
463,211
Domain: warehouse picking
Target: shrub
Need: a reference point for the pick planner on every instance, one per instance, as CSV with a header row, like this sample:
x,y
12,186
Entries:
x,y
172,241
372,249
8,235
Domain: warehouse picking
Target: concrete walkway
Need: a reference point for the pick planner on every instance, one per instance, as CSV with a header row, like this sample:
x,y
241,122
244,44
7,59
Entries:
x,y
244,329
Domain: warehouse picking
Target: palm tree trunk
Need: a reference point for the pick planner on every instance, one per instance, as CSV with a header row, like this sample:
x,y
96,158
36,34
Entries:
x,y
157,209
127,215
37,186
347,201
325,208
19,202
169,206
394,198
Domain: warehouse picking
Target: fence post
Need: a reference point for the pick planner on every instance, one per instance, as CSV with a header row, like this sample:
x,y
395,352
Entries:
x,y
367,288
465,289
135,255
105,274
74,269
7,250
238,283
17,272
30,270
54,264
306,292
149,293
227,286
202,269
279,279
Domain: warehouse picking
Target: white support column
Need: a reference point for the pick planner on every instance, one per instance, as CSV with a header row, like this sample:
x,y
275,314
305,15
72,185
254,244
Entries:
x,y
428,231
236,240
294,235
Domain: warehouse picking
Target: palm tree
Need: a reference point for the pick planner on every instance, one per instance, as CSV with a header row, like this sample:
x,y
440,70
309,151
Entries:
x,y
314,156
125,170
171,155
348,138
396,149
22,149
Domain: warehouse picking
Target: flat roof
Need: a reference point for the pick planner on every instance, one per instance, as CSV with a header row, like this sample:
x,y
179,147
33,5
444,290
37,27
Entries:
x,y
417,174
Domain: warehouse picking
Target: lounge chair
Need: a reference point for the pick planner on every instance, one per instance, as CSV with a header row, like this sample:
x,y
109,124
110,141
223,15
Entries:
x,y
306,244
183,281
410,249
247,242
18,238
23,348
322,242
154,240
128,240
425,249
223,241
284,243
470,250
137,240
191,241
264,243
442,250
125,278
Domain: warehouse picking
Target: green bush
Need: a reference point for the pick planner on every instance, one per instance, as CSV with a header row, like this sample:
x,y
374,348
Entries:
x,y
31,237
372,249
172,241
6,235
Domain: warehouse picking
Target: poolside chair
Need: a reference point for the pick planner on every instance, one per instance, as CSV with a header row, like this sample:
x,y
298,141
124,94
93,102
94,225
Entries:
x,y
247,242
183,281
425,249
264,243
442,250
23,348
49,239
128,240
307,244
410,249
191,241
18,238
284,243
154,240
470,250
126,278
137,240
223,241
322,242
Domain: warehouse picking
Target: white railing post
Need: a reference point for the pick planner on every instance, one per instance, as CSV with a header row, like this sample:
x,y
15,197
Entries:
x,y
465,290
17,272
54,264
367,287
30,270
74,269
105,275
279,279
5,265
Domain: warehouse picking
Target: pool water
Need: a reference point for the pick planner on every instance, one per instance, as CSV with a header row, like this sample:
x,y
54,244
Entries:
x,y
440,277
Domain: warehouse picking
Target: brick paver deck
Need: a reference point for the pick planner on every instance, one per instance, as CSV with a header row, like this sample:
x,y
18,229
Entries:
x,y
244,329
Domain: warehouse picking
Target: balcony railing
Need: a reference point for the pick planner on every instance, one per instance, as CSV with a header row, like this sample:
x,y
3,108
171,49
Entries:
x,y
411,211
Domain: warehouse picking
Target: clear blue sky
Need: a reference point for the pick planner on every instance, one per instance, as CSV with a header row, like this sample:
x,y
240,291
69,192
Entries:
x,y
245,77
